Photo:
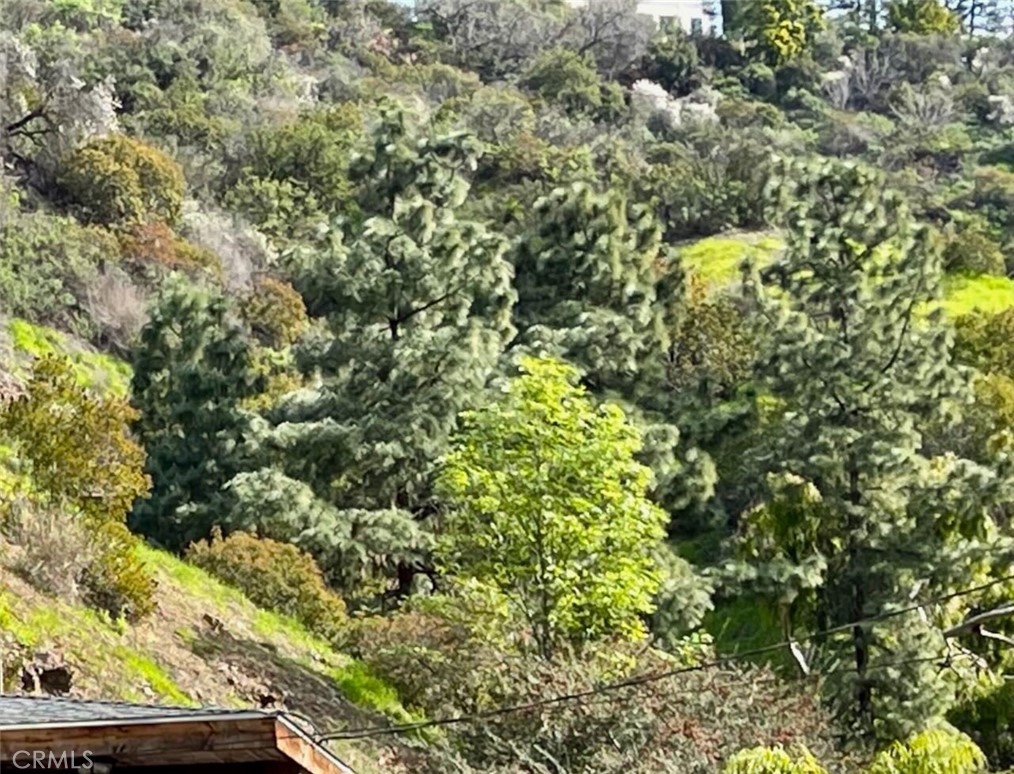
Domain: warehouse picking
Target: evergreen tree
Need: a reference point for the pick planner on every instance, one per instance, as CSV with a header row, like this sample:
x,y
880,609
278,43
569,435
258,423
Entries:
x,y
192,368
596,288
587,279
416,304
857,519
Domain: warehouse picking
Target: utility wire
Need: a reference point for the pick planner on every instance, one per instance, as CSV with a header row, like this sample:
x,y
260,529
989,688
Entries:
x,y
636,681
650,677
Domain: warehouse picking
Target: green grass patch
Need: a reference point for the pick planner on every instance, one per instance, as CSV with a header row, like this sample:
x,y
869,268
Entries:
x,y
716,260
15,624
136,665
964,294
355,681
94,370
365,689
193,580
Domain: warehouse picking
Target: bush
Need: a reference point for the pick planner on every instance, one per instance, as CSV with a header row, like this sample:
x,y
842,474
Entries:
x,y
993,196
275,312
445,656
276,576
118,581
299,171
931,752
672,62
118,179
154,244
82,461
568,79
768,760
47,263
709,182
51,549
974,251
759,80
986,342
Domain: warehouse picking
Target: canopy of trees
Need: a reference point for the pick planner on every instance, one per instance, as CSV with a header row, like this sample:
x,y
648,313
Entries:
x,y
553,347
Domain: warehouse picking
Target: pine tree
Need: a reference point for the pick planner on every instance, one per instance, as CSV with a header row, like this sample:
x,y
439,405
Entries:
x,y
192,368
857,520
587,275
596,288
416,303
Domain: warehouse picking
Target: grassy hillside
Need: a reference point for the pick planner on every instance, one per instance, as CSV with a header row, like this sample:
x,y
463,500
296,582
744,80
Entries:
x,y
717,261
205,645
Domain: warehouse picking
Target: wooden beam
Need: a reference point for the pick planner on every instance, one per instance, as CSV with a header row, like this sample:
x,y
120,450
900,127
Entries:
x,y
154,743
302,750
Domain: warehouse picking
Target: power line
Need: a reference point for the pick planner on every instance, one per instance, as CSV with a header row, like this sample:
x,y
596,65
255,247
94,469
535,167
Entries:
x,y
640,680
650,677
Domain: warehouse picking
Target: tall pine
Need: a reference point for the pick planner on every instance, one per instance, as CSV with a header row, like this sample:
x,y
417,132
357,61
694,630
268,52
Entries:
x,y
192,368
597,288
415,305
588,271
857,520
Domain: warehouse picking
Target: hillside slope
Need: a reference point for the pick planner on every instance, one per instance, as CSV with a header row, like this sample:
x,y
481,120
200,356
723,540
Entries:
x,y
205,645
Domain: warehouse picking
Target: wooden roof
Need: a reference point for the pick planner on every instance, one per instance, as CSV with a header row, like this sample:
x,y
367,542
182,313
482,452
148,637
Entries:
x,y
142,737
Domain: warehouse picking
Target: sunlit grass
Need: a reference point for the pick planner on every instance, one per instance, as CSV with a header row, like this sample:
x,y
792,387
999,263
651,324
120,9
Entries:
x,y
985,293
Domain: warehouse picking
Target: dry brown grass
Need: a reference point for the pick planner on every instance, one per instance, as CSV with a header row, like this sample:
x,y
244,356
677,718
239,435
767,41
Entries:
x,y
48,549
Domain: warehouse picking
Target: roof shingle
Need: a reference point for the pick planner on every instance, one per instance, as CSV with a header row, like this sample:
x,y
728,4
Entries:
x,y
42,710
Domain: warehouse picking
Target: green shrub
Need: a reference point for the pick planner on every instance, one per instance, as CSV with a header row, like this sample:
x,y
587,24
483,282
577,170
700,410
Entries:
x,y
445,657
974,251
773,760
993,195
119,179
80,459
568,79
989,720
276,576
931,752
118,580
298,172
759,80
275,312
47,264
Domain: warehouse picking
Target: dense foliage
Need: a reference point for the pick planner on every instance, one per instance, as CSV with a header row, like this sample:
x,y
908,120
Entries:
x,y
559,346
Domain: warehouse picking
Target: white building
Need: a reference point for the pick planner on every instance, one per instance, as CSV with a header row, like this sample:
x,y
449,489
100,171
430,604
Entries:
x,y
689,14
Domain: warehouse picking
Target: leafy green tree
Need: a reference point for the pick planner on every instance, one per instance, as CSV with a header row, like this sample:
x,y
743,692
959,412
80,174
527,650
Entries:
x,y
568,79
931,752
417,311
767,760
782,30
922,17
193,366
856,518
548,505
